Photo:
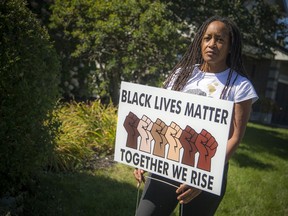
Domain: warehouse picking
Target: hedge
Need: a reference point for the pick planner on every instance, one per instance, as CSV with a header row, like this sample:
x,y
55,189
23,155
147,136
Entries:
x,y
29,71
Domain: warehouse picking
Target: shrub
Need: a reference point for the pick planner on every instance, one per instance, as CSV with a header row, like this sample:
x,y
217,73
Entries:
x,y
28,92
87,129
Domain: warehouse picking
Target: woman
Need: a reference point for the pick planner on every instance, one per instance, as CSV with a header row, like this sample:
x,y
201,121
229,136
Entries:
x,y
212,67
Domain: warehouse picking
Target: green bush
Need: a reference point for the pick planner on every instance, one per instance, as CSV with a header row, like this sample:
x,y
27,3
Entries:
x,y
29,71
87,129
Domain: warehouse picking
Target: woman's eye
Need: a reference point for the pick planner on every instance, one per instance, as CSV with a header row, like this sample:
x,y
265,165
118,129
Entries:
x,y
220,39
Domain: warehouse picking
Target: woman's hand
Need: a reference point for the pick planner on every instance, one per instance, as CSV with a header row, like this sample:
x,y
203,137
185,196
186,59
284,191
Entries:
x,y
187,193
139,175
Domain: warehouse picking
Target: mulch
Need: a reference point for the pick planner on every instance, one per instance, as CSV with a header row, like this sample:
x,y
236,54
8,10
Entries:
x,y
100,162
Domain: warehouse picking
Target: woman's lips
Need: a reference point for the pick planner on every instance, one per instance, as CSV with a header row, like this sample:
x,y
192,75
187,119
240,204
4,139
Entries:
x,y
210,53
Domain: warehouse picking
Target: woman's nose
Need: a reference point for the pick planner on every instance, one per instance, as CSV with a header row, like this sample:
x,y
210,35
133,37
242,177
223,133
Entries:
x,y
212,43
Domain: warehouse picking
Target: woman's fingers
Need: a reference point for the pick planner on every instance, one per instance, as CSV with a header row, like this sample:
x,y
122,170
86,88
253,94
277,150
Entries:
x,y
187,193
138,174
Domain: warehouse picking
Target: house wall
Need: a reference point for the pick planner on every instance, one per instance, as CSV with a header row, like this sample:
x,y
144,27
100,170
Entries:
x,y
270,79
258,70
283,78
280,113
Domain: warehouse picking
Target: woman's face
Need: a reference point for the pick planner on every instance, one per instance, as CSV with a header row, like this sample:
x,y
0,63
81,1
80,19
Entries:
x,y
215,47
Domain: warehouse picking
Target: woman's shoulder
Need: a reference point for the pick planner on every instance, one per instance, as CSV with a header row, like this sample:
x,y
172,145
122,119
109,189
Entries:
x,y
244,88
241,79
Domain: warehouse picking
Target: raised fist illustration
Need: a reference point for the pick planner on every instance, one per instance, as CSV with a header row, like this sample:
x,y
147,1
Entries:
x,y
130,124
172,135
207,147
144,128
187,139
158,131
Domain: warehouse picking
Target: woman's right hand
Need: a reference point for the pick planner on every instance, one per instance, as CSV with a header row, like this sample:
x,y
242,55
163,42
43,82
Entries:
x,y
139,175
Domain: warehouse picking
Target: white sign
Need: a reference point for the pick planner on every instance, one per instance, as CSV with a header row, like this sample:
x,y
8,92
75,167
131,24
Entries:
x,y
177,135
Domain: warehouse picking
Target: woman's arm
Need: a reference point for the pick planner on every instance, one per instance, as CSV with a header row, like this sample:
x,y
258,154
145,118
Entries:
x,y
238,126
240,118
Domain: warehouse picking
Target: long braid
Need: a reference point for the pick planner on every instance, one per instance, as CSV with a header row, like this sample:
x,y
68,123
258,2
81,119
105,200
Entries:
x,y
183,70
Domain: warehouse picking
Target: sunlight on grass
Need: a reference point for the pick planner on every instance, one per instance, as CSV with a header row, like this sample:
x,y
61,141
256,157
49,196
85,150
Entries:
x,y
257,180
257,183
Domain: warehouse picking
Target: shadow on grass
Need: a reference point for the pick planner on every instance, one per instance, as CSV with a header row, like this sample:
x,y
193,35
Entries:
x,y
258,141
246,161
80,194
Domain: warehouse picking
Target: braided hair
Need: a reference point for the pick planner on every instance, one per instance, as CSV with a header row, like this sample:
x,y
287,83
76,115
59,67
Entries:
x,y
184,68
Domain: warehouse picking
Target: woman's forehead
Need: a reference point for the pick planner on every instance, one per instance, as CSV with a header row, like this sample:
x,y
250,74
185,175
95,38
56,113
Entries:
x,y
217,27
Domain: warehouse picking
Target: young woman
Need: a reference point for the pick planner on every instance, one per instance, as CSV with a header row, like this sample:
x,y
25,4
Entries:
x,y
212,67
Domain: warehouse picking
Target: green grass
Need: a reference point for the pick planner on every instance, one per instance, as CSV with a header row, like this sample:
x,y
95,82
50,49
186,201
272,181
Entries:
x,y
104,192
257,183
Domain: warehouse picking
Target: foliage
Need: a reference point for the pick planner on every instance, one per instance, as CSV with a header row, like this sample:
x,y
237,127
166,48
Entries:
x,y
257,183
102,42
86,129
123,40
258,20
29,71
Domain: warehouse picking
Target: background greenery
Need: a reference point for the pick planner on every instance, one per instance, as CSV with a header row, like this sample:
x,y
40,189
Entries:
x,y
29,90
50,140
103,42
257,183
87,130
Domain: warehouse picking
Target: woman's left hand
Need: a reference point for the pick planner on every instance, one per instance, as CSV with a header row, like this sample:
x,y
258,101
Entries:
x,y
187,193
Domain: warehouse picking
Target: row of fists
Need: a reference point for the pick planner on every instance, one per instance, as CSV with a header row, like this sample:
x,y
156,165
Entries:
x,y
188,139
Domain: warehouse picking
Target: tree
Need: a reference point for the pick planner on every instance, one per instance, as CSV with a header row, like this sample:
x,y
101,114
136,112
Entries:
x,y
257,19
122,40
29,70
102,42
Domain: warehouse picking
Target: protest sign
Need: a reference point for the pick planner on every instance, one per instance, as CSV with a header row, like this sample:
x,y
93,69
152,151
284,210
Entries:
x,y
177,135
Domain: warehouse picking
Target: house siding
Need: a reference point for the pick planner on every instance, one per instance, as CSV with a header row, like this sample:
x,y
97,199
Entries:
x,y
270,79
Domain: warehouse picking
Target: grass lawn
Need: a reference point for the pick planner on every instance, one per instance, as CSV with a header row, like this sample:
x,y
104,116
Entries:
x,y
257,184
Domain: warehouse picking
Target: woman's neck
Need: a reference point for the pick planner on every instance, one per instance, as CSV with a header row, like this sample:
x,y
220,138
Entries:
x,y
211,68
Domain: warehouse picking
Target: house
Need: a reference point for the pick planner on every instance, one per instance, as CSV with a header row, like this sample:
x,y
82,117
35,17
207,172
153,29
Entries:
x,y
269,76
